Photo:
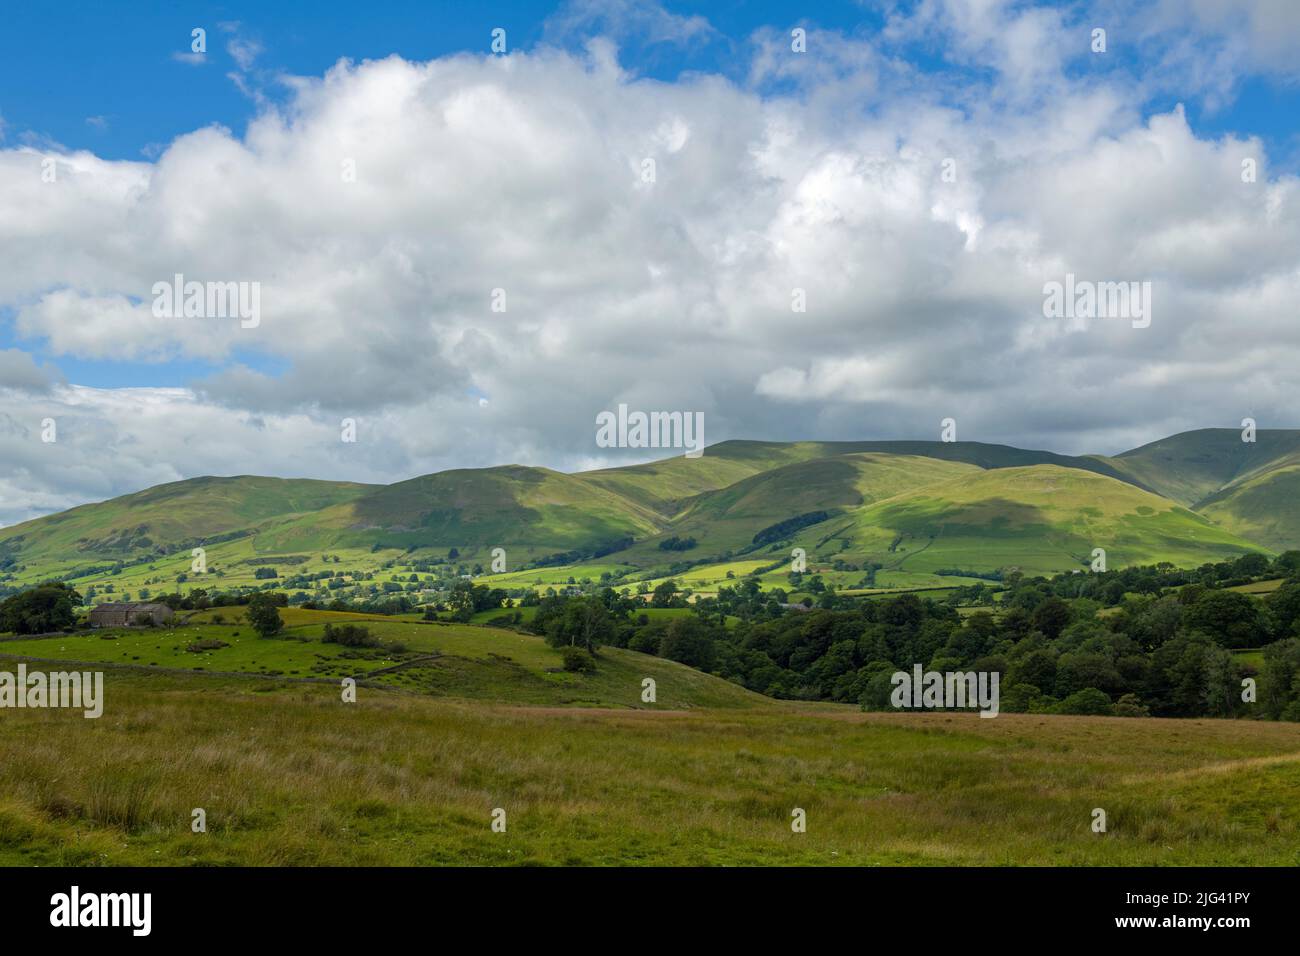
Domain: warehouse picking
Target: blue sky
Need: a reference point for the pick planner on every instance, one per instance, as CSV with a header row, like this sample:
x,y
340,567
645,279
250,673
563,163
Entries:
x,y
98,75
816,169
67,63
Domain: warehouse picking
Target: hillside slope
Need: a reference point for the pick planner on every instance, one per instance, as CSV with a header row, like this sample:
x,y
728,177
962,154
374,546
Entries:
x,y
665,485
539,510
730,518
1263,507
1042,518
1249,488
168,517
1193,466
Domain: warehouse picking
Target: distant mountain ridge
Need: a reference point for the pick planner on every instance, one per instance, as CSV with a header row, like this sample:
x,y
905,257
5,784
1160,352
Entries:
x,y
1200,495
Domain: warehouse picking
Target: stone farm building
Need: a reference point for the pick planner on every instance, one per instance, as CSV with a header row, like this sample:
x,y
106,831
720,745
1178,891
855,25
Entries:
x,y
129,615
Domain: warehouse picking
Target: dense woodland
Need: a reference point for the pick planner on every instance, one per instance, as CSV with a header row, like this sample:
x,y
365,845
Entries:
x,y
1152,641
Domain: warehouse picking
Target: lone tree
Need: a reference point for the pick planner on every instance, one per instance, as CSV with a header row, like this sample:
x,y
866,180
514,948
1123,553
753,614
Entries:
x,y
264,616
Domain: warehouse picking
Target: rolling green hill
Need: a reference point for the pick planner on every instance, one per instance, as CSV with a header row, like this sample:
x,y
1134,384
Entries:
x,y
913,507
167,518
1042,518
661,486
1260,507
730,518
665,485
535,509
1249,488
1194,466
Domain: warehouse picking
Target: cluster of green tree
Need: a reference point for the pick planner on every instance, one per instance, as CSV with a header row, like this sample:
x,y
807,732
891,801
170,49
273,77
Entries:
x,y
749,602
1110,587
667,594
610,619
200,599
802,582
584,622
674,543
1167,655
1235,619
349,635
207,541
583,554
467,599
48,607
783,529
960,573
393,605
332,579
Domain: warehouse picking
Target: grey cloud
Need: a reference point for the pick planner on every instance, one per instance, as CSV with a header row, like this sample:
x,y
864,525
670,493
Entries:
x,y
19,372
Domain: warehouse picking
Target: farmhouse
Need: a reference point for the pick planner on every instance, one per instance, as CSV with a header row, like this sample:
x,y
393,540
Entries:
x,y
130,615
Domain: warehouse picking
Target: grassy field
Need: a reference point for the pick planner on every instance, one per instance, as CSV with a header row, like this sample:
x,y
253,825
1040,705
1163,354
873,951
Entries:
x,y
1253,656
1260,587
431,659
288,774
452,722
556,577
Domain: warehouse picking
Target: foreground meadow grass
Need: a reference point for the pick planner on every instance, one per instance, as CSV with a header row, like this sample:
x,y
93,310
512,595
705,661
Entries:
x,y
289,775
